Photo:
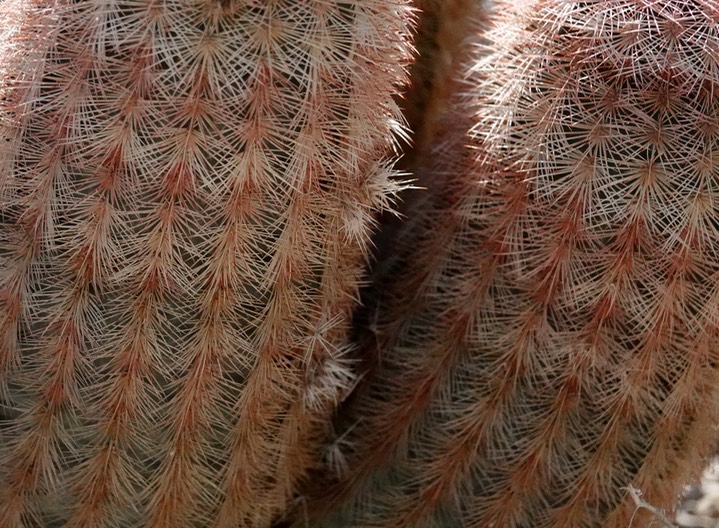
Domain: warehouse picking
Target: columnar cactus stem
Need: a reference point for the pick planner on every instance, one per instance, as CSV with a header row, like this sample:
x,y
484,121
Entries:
x,y
565,345
185,214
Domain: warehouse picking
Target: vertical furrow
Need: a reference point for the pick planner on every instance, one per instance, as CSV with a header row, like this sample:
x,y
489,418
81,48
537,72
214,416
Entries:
x,y
443,29
379,428
369,439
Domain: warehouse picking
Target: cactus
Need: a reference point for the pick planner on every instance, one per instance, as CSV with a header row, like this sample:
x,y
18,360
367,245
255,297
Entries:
x,y
548,343
187,190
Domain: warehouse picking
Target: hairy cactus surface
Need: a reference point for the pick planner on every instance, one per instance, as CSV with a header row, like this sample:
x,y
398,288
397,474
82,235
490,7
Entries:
x,y
186,196
551,340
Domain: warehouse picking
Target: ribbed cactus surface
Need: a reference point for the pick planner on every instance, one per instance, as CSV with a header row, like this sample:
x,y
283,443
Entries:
x,y
550,337
186,197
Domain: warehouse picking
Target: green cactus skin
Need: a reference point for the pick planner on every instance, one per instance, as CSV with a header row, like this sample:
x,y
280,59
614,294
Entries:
x,y
552,338
187,191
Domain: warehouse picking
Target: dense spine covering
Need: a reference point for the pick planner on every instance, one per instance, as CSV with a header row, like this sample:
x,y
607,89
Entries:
x,y
552,340
186,196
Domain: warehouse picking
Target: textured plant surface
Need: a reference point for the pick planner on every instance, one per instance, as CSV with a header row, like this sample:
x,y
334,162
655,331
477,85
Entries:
x,y
186,194
552,337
